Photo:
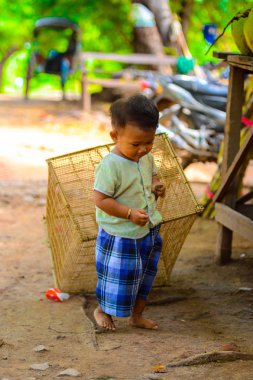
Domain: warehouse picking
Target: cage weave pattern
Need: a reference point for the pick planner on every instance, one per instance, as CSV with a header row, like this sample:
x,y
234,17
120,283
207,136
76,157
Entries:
x,y
70,214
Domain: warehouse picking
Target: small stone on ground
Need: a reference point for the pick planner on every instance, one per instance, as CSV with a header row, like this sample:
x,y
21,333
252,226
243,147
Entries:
x,y
39,367
69,372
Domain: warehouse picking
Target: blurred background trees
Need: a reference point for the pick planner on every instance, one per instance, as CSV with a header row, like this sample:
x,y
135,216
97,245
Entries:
x,y
107,27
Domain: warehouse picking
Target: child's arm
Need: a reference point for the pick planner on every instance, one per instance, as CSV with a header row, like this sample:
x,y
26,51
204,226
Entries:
x,y
157,187
114,208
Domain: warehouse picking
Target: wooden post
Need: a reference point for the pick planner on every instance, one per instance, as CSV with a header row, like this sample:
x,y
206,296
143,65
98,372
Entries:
x,y
86,98
28,78
231,147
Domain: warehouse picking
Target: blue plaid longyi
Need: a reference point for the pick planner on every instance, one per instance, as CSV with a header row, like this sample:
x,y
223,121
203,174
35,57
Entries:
x,y
126,269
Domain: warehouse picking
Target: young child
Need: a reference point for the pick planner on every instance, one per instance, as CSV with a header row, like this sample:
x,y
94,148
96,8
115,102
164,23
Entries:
x,y
126,187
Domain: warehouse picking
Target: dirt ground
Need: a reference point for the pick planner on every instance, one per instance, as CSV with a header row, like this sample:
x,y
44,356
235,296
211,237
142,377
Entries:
x,y
206,308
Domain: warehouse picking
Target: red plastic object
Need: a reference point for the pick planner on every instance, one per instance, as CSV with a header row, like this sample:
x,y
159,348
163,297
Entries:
x,y
54,294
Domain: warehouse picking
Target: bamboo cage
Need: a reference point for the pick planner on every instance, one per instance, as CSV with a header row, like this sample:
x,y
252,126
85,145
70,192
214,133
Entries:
x,y
70,214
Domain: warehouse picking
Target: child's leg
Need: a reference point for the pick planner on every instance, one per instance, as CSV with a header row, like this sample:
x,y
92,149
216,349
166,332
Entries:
x,y
103,320
137,320
119,271
150,251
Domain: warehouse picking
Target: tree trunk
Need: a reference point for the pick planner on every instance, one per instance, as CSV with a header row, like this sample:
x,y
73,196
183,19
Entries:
x,y
1,75
2,62
163,17
185,14
147,40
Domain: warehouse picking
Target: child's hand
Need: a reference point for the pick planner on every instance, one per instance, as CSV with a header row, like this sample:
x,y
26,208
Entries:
x,y
139,216
158,189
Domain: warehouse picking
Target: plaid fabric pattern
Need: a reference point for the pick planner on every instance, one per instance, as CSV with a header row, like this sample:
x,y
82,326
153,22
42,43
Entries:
x,y
126,269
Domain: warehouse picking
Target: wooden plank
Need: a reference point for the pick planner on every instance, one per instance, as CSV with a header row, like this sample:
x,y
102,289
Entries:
x,y
231,147
223,54
144,59
129,72
233,169
248,69
240,59
244,62
234,221
115,83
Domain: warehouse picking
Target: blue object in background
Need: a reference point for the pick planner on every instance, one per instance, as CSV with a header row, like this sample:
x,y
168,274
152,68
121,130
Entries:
x,y
210,32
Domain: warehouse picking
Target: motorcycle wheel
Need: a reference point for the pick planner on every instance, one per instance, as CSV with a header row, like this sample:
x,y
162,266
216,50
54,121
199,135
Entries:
x,y
185,158
186,162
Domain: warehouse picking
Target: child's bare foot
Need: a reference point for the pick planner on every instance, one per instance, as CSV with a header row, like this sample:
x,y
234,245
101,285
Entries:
x,y
103,320
139,321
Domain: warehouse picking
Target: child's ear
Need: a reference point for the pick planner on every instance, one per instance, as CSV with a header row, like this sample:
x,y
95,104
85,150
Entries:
x,y
114,135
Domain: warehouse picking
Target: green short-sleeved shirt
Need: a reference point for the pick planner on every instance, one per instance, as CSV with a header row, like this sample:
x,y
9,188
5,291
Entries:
x,y
129,183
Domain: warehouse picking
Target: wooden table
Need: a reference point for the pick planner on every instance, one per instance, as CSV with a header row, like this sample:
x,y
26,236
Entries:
x,y
233,215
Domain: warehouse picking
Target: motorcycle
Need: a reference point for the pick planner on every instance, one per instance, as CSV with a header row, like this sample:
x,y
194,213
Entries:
x,y
192,113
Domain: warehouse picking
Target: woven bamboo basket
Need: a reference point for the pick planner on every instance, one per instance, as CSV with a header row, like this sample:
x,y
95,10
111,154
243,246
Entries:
x,y
70,214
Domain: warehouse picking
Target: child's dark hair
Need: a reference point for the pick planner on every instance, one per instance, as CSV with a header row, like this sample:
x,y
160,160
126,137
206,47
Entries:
x,y
137,109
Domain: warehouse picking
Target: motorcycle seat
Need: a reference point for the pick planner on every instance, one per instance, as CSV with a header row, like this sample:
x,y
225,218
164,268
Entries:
x,y
200,86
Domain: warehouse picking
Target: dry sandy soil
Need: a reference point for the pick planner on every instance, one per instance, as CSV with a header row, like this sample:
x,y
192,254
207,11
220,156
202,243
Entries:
x,y
206,308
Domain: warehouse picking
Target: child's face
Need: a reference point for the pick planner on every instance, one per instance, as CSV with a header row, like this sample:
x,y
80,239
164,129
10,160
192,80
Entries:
x,y
133,142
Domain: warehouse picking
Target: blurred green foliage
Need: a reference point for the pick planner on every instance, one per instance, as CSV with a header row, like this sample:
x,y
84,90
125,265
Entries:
x,y
106,27
203,12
